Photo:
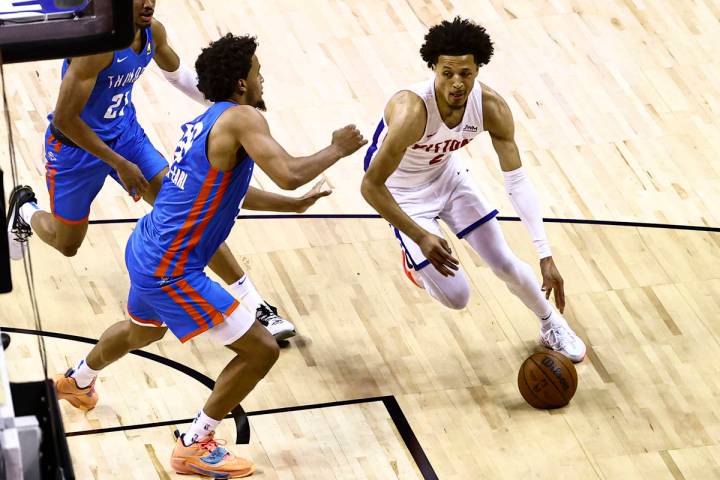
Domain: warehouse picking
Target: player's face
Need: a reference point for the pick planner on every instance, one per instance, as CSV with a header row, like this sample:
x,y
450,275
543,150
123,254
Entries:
x,y
454,79
143,11
254,86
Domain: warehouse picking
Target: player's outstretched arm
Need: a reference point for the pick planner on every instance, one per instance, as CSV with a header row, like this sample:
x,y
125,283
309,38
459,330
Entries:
x,y
252,132
406,118
75,89
498,121
257,199
178,74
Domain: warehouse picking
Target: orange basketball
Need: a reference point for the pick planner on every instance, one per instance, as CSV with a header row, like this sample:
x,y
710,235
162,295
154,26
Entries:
x,y
547,380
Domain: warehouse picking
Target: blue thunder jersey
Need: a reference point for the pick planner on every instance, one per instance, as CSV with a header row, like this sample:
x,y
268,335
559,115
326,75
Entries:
x,y
194,211
109,109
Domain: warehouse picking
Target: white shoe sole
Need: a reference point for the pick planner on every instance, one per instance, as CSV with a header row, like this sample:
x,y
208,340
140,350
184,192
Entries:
x,y
16,249
574,360
284,335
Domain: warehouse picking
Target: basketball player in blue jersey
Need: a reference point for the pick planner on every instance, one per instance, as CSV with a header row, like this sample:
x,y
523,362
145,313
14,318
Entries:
x,y
168,251
94,133
413,177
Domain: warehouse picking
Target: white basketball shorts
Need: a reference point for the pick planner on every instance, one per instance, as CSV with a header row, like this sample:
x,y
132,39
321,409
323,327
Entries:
x,y
453,197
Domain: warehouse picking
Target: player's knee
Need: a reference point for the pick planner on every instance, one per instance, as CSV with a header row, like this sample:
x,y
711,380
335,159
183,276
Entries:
x,y
68,250
259,347
154,334
458,297
267,353
139,337
506,270
68,247
453,292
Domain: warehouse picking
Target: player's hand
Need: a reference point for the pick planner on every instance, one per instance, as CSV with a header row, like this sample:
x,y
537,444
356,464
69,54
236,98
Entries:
x,y
319,190
552,281
439,254
348,140
133,179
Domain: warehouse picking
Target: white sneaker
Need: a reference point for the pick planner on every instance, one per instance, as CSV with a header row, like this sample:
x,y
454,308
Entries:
x,y
278,327
562,339
18,230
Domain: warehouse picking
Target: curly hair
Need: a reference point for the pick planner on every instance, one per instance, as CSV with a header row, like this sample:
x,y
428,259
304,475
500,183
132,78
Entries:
x,y
459,37
222,64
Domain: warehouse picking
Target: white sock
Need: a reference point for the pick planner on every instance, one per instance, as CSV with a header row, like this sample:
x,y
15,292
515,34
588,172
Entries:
x,y
201,427
245,291
83,374
546,322
28,210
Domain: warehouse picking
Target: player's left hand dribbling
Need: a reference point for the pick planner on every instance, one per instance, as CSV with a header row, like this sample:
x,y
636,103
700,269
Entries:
x,y
319,190
552,281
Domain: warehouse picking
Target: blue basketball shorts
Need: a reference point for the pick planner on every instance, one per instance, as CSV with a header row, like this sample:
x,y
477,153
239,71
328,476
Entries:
x,y
188,305
74,177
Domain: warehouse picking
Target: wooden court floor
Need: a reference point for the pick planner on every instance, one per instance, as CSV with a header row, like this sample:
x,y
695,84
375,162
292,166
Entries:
x,y
617,113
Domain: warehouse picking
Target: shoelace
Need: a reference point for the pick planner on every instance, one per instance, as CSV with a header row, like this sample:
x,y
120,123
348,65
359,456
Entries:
x,y
560,334
210,444
267,314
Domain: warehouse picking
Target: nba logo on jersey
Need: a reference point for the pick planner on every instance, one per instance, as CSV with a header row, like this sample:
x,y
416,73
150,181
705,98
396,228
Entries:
x,y
148,50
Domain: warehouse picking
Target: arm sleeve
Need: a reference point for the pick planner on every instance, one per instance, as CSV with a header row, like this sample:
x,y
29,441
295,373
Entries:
x,y
524,199
185,79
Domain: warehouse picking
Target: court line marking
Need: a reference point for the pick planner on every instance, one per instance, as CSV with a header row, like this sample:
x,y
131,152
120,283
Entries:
x,y
358,216
390,403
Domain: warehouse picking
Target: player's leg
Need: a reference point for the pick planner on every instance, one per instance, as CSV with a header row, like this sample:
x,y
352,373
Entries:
x,y
154,166
73,179
488,241
224,264
77,385
454,291
468,214
191,306
196,450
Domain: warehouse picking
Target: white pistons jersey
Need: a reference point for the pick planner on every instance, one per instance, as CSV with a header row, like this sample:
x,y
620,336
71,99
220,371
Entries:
x,y
427,159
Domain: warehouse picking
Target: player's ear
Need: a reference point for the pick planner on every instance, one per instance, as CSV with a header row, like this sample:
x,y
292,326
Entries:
x,y
241,86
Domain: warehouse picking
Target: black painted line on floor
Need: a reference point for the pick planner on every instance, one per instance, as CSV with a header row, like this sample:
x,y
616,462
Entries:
x,y
257,413
389,402
205,380
243,431
411,442
242,427
358,216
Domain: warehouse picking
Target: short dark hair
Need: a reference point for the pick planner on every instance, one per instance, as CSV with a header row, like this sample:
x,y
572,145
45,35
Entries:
x,y
458,37
222,64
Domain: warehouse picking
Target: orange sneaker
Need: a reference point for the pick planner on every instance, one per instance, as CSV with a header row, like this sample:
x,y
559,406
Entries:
x,y
82,398
208,458
409,271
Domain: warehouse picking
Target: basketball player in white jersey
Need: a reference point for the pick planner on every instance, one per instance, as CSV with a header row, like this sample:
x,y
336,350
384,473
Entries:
x,y
413,177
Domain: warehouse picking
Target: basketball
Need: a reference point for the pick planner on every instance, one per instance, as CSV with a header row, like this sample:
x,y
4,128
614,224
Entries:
x,y
547,380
